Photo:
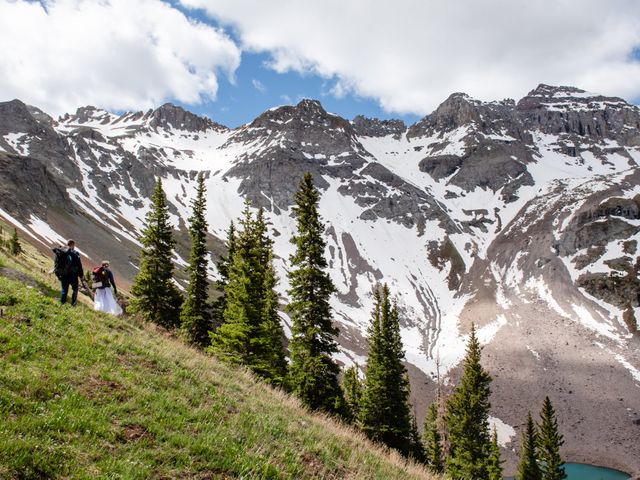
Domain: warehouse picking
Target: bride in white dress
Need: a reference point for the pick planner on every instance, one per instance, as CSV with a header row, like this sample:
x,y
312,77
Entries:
x,y
105,300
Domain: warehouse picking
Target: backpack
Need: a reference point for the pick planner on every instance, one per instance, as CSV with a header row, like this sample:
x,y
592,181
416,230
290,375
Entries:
x,y
100,278
61,262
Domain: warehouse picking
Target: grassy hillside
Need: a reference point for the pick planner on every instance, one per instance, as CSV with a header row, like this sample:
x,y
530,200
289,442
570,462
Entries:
x,y
86,395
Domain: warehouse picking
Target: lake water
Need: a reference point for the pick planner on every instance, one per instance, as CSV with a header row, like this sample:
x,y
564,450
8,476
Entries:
x,y
580,471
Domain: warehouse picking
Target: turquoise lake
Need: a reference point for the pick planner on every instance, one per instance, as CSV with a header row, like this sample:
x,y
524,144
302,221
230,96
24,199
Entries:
x,y
581,471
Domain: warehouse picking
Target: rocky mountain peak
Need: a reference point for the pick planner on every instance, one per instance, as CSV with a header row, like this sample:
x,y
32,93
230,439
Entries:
x,y
307,114
461,110
41,116
373,127
17,117
578,114
551,91
87,114
175,117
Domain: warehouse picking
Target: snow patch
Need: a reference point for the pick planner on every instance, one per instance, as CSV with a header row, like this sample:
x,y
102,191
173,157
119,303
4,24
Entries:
x,y
505,431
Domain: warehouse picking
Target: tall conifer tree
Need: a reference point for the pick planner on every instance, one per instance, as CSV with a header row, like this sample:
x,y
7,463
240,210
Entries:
x,y
195,317
432,440
15,248
549,443
528,468
467,418
271,364
232,341
155,296
494,464
352,390
251,332
223,265
384,409
313,374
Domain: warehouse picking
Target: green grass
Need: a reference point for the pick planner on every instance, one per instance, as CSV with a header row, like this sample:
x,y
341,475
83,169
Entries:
x,y
86,395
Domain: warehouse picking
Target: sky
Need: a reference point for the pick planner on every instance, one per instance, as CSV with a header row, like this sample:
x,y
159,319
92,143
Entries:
x,y
232,59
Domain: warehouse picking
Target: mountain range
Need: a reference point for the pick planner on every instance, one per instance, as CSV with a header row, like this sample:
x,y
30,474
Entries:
x,y
521,217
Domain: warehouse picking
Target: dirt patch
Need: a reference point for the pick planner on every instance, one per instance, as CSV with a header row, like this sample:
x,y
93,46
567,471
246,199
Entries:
x,y
315,468
135,432
134,362
13,274
95,387
312,464
17,319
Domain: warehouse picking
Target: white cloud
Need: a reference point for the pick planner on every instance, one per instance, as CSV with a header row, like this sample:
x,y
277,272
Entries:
x,y
258,85
116,54
411,54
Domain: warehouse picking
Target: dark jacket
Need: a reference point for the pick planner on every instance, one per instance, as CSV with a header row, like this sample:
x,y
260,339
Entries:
x,y
110,280
75,265
67,264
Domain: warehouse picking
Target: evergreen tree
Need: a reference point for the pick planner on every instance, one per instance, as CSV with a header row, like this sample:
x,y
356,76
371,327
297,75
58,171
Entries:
x,y
416,448
223,265
467,418
384,409
155,296
549,443
241,315
432,440
352,391
313,374
271,363
494,464
528,468
195,317
15,248
251,332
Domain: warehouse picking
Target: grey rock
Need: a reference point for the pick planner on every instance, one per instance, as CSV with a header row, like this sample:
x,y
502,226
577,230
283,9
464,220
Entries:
x,y
172,116
372,127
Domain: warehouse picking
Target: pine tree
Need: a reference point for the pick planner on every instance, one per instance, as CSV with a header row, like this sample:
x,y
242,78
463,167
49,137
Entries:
x,y
223,265
251,332
416,448
195,317
241,315
432,440
155,296
528,468
352,391
313,374
271,363
549,443
467,418
15,248
494,464
384,409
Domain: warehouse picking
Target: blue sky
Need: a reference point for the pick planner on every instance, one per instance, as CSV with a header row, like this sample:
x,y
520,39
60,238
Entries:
x,y
244,99
233,59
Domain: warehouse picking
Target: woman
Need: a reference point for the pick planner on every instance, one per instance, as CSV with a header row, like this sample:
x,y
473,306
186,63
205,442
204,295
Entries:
x,y
105,300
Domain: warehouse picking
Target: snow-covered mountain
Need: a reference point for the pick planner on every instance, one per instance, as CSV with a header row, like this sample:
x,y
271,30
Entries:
x,y
521,217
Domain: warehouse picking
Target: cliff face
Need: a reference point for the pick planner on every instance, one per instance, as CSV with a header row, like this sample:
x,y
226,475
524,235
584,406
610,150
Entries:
x,y
522,217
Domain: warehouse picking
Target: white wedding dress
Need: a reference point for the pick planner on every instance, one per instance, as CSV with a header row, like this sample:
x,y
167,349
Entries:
x,y
105,302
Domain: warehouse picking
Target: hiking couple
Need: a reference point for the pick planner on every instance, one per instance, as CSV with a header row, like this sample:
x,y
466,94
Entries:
x,y
68,269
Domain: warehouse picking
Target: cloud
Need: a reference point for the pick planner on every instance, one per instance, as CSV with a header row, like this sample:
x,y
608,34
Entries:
x,y
409,54
258,85
116,54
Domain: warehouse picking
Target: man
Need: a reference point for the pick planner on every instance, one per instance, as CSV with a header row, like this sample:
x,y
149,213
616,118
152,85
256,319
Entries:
x,y
69,272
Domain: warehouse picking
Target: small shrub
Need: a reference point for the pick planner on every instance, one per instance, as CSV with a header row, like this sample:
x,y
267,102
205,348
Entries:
x,y
7,300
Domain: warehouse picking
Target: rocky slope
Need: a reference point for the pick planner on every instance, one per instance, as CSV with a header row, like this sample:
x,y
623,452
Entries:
x,y
520,216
